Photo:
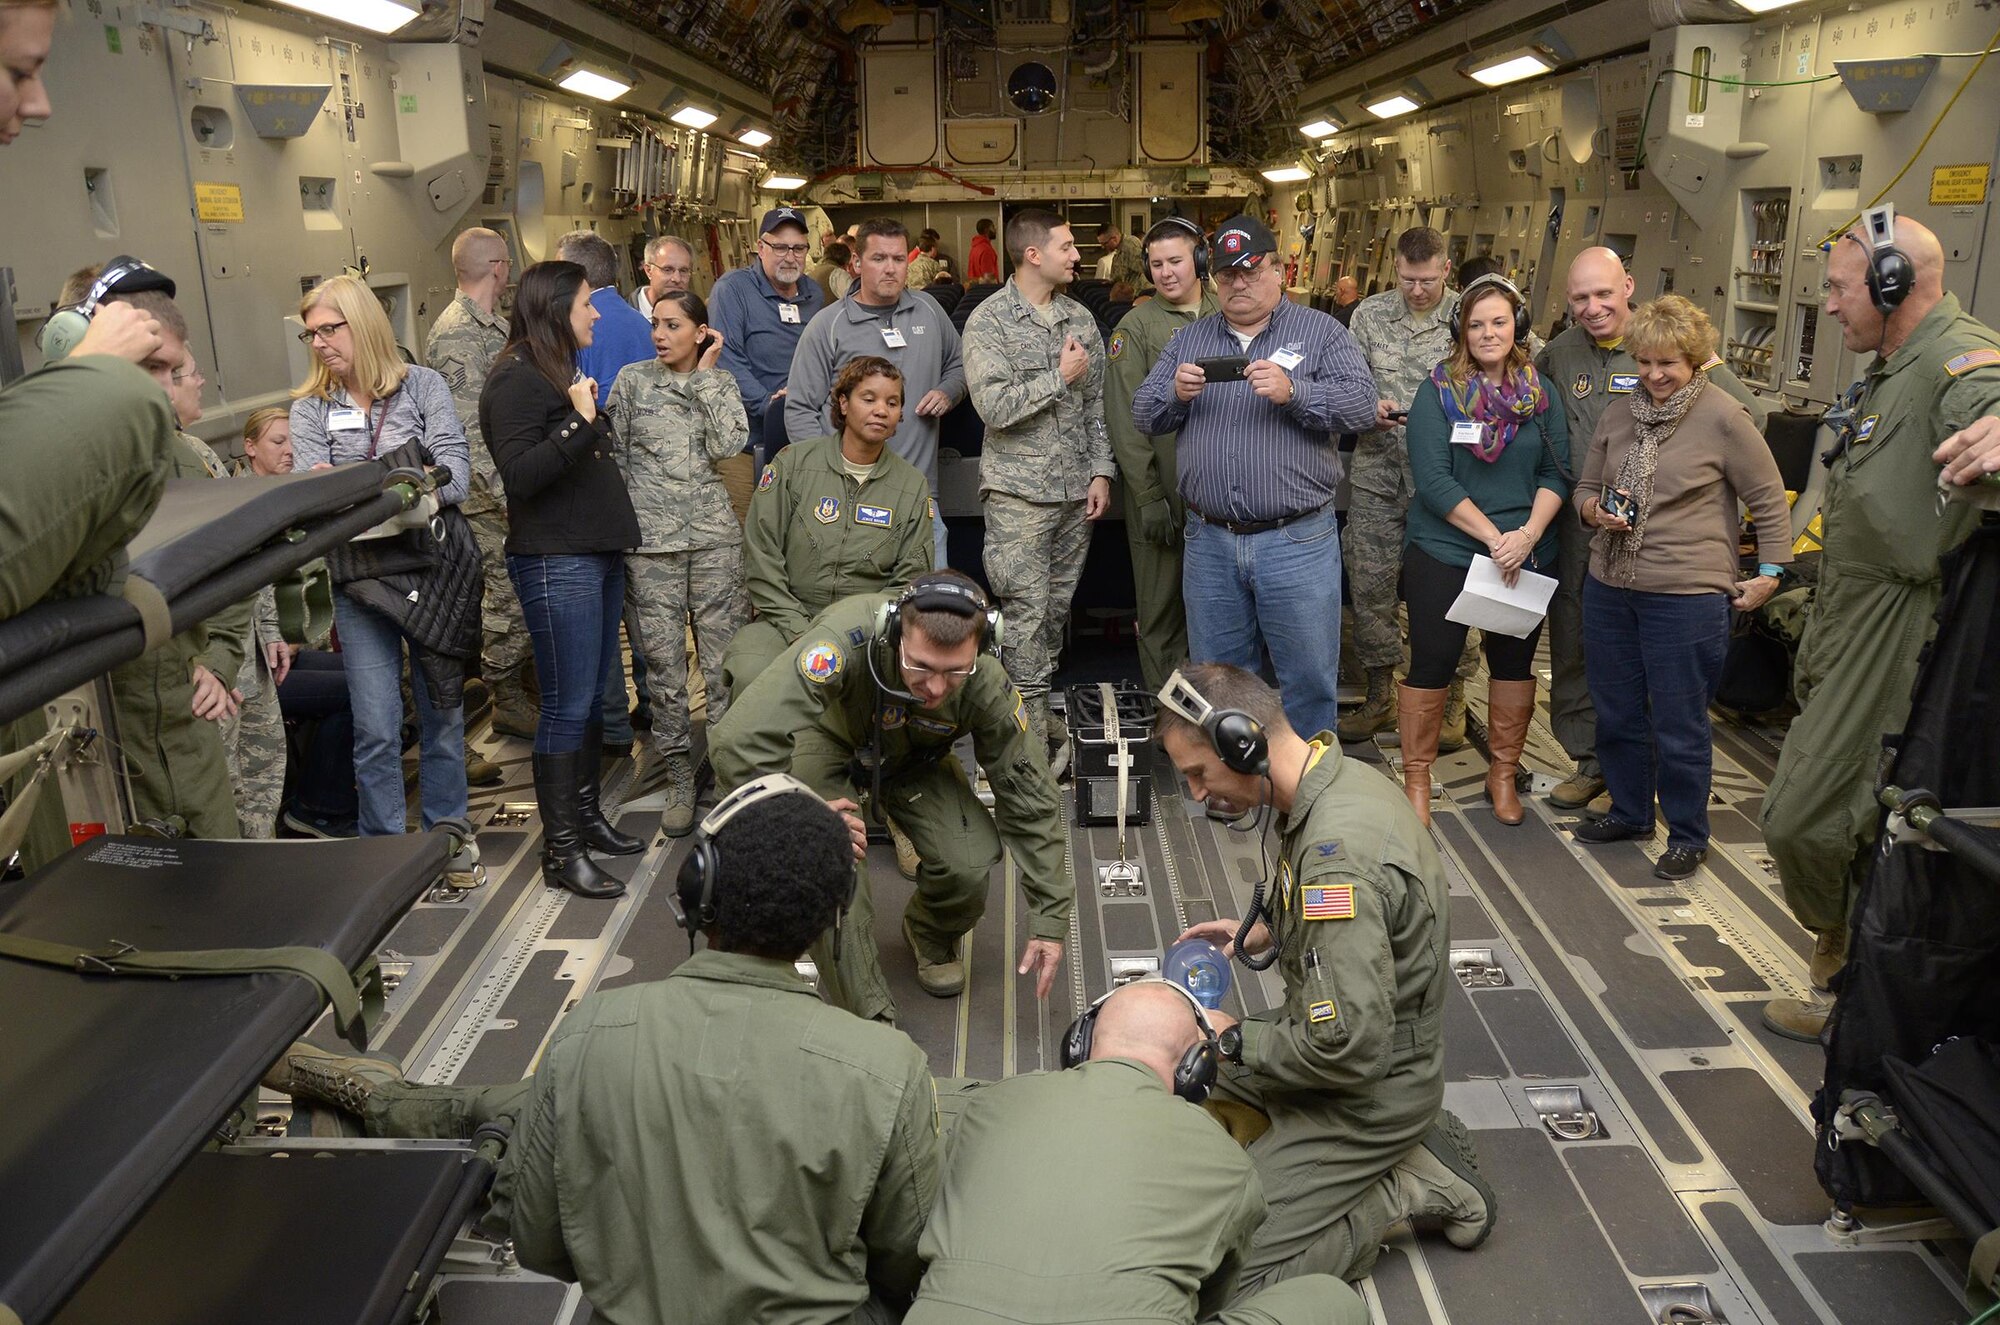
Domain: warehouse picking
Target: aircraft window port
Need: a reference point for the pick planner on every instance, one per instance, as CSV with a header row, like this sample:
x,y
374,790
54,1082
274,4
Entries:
x,y
1562,1111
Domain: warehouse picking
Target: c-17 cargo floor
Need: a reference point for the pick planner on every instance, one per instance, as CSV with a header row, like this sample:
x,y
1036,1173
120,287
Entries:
x,y
1586,986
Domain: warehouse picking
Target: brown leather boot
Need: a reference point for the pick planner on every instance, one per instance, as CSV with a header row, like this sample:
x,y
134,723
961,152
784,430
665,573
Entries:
x,y
1510,705
1419,715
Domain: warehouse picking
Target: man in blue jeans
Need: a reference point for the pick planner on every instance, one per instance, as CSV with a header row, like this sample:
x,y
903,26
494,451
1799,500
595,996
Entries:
x,y
1259,462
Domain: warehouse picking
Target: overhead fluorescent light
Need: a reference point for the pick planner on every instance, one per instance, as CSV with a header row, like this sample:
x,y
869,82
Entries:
x,y
783,183
1287,174
384,16
1764,6
1510,69
1320,128
753,138
1388,108
590,83
693,117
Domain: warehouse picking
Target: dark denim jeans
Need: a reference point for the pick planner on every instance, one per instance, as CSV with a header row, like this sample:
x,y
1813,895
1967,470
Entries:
x,y
1654,661
316,690
572,605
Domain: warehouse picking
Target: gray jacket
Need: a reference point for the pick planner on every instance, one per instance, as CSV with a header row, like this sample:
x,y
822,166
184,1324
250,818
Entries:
x,y
846,330
421,408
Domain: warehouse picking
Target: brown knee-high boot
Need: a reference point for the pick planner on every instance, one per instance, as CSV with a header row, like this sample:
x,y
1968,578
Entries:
x,y
1510,705
1419,715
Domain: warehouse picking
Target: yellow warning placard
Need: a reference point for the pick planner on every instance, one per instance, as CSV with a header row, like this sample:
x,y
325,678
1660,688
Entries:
x,y
218,202
1959,184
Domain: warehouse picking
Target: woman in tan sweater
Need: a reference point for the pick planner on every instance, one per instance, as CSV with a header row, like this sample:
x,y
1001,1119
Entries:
x,y
1661,484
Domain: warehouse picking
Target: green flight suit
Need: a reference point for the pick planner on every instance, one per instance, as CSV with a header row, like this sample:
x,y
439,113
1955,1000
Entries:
x,y
1350,1070
1149,475
715,1146
817,714
1873,611
815,536
1588,377
177,762
1155,1215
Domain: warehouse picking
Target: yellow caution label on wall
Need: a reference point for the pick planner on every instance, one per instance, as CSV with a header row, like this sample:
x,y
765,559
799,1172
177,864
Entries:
x,y
1959,184
218,202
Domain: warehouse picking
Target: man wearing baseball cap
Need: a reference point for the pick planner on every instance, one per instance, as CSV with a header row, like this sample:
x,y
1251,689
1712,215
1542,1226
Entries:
x,y
1260,393
761,310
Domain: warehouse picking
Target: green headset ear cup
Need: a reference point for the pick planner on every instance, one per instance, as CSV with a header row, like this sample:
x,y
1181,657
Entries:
x,y
61,334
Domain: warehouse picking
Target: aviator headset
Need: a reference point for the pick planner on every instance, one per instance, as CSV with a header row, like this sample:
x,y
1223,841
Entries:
x,y
1180,225
695,885
1239,739
1891,274
1194,1075
1493,281
935,592
67,325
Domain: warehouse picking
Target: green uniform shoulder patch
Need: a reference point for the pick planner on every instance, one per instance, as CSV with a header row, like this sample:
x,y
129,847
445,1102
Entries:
x,y
930,507
1971,359
1020,713
819,663
1116,347
769,476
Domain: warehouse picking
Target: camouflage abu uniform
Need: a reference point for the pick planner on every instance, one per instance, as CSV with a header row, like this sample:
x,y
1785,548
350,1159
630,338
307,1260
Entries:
x,y
1129,263
1045,442
671,431
254,739
462,344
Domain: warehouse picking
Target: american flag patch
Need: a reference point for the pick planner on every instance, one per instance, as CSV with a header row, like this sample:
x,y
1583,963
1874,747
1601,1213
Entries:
x,y
1331,902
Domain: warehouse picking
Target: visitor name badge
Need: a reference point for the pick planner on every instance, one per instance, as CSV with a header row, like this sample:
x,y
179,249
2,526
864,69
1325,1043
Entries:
x,y
1288,358
893,338
1465,433
345,420
788,313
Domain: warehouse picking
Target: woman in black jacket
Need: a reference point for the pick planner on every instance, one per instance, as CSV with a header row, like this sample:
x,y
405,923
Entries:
x,y
570,523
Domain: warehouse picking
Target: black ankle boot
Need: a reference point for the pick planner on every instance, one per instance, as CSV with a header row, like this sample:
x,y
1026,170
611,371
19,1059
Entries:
x,y
566,863
598,834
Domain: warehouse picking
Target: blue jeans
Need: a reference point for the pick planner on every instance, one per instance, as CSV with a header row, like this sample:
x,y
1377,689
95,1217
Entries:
x,y
1277,591
572,605
1653,661
371,651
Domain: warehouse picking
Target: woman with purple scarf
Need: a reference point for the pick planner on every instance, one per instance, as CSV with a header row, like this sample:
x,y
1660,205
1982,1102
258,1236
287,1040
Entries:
x,y
1489,452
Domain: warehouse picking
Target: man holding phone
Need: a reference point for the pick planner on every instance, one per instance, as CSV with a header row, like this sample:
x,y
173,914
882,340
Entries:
x,y
1258,465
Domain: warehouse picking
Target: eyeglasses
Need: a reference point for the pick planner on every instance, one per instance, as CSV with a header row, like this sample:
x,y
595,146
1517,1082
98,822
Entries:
x,y
924,673
311,334
1242,275
184,374
787,250
1420,282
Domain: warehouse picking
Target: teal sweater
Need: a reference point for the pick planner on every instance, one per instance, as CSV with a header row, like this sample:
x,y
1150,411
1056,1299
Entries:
x,y
1504,489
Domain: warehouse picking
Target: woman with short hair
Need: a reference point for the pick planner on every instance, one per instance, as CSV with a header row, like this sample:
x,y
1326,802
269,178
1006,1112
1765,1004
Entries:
x,y
1661,484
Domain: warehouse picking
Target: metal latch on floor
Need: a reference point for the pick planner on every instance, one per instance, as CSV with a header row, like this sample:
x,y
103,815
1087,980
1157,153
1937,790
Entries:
x,y
1562,1111
395,967
1124,970
1476,969
1122,877
1681,1304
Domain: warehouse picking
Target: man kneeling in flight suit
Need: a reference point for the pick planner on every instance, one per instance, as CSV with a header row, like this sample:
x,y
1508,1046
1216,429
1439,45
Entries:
x,y
870,702
1338,1093
1159,1205
669,1120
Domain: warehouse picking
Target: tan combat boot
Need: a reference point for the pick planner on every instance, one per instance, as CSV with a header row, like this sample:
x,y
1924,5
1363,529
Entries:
x,y
677,808
908,862
945,979
347,1082
1440,1180
481,771
1796,1019
1576,791
1829,955
1419,713
1377,711
1451,736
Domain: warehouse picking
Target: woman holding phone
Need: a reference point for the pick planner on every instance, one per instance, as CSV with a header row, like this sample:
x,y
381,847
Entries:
x,y
1661,485
678,416
1488,451
569,524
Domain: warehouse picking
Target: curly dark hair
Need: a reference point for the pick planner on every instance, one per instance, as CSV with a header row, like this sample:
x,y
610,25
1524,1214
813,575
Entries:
x,y
787,870
856,372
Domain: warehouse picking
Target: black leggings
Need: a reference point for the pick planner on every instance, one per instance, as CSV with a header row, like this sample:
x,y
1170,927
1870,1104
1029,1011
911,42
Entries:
x,y
1430,588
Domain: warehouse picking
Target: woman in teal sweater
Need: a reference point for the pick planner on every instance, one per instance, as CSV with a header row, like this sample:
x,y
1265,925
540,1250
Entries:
x,y
1489,451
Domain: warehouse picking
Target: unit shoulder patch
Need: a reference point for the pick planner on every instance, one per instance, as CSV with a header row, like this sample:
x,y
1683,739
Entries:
x,y
820,662
1333,901
1971,359
1116,347
1020,713
930,507
767,478
1321,1011
1581,387
828,510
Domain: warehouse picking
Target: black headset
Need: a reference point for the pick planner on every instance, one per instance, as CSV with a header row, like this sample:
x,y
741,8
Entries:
x,y
1493,280
1182,226
696,881
1891,274
1238,738
66,326
1194,1075
939,591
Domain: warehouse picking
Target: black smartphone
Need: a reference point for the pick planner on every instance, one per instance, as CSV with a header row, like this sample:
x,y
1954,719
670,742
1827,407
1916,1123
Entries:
x,y
1618,503
1400,415
1223,368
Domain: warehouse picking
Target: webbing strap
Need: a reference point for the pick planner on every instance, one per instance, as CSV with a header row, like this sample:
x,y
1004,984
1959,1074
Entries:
x,y
305,603
156,619
357,998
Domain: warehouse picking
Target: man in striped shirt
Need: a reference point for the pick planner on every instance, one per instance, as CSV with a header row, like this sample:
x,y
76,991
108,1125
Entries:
x,y
1259,462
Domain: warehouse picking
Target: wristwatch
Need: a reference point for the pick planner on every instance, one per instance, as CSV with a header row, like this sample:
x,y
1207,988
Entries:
x,y
1230,1044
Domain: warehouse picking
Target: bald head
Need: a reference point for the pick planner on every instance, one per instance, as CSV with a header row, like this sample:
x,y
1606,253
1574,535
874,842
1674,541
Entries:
x,y
473,253
1600,293
1865,328
1345,290
1147,1020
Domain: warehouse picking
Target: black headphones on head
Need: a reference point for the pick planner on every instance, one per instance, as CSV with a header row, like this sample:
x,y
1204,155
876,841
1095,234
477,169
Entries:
x,y
1891,274
940,591
1180,225
1194,1075
1238,738
1496,281
66,326
695,884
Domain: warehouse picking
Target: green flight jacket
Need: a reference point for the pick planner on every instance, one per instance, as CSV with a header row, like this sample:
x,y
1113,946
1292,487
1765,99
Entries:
x,y
1156,1211
1581,373
1361,915
815,536
1147,467
721,1146
826,687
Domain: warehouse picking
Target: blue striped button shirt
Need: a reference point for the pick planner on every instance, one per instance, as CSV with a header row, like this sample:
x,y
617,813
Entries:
x,y
1243,458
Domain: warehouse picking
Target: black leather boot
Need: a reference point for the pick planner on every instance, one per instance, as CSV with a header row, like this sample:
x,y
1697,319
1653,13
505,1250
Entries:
x,y
566,863
598,834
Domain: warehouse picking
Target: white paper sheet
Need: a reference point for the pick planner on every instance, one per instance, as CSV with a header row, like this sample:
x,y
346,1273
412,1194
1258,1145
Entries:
x,y
1486,602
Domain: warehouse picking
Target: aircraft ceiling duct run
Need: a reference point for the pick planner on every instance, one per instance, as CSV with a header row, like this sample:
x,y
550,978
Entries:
x,y
457,21
1673,13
